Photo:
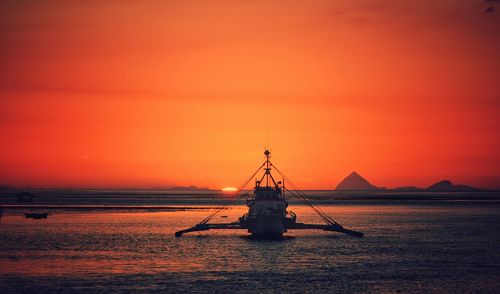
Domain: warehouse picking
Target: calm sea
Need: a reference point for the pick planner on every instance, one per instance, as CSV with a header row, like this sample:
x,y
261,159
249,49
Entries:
x,y
421,248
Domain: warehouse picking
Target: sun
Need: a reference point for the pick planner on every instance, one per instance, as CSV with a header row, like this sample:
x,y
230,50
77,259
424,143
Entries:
x,y
229,189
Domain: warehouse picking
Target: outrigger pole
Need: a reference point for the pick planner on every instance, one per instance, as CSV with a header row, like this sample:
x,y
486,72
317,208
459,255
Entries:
x,y
203,224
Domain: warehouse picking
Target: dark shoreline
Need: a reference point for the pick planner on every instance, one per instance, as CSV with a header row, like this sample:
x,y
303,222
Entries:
x,y
104,207
168,201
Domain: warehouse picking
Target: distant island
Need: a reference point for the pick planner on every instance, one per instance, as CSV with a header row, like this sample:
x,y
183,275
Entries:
x,y
189,188
448,186
355,182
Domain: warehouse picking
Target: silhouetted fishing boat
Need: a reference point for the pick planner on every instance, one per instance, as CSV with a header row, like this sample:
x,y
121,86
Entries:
x,y
267,209
36,215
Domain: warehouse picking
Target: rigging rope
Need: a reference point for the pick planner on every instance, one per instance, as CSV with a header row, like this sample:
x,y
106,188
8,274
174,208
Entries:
x,y
295,192
227,202
328,219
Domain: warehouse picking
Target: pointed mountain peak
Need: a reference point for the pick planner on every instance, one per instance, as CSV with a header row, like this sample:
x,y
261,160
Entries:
x,y
354,174
355,182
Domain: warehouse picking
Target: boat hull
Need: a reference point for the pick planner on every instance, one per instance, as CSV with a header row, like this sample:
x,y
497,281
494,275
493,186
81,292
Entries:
x,y
266,226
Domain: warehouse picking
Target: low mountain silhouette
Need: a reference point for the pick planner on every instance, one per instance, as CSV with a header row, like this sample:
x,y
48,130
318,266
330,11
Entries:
x,y
408,189
188,188
355,182
448,186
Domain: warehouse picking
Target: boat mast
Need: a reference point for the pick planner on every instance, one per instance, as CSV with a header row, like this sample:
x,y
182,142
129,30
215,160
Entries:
x,y
268,154
267,169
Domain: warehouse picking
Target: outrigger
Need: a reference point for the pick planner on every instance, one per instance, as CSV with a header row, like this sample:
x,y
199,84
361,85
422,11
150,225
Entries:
x,y
267,215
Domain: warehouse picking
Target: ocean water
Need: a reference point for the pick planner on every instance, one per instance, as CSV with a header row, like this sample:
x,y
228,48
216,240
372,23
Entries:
x,y
413,248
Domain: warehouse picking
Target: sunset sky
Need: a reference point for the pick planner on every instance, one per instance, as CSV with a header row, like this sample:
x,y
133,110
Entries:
x,y
144,94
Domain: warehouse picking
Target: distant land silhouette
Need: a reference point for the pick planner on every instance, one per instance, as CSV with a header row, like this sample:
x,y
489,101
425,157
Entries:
x,y
408,189
355,182
189,188
175,188
448,186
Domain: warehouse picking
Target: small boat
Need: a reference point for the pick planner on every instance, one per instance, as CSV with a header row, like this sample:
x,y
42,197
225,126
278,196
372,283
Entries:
x,y
36,215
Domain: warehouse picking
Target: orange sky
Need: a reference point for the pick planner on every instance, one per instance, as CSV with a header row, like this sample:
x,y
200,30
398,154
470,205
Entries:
x,y
161,93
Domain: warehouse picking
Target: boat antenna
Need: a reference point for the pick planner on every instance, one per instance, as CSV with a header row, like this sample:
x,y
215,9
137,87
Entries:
x,y
268,140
